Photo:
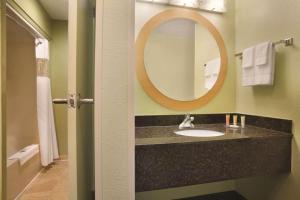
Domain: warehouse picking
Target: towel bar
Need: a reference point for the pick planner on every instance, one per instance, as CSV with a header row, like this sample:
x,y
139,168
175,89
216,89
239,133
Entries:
x,y
286,42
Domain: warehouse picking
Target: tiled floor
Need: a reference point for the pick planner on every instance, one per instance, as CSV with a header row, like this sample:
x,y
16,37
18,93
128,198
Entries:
x,y
51,184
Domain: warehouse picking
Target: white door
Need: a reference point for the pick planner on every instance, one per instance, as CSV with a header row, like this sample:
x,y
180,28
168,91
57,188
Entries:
x,y
80,85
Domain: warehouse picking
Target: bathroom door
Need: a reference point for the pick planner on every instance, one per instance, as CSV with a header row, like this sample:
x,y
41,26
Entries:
x,y
80,85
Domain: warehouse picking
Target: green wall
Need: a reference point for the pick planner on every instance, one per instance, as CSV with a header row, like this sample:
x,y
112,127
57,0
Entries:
x,y
258,21
58,74
225,99
35,14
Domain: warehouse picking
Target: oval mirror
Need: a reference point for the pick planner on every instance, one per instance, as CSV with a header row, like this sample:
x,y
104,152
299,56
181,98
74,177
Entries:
x,y
181,59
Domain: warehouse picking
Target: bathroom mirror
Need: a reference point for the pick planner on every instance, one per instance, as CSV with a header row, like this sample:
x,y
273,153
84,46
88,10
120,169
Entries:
x,y
187,53
181,59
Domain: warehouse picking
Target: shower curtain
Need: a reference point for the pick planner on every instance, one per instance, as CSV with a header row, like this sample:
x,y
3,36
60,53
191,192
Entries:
x,y
46,126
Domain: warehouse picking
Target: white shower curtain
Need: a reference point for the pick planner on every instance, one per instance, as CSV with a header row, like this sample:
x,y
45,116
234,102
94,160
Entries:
x,y
46,126
47,133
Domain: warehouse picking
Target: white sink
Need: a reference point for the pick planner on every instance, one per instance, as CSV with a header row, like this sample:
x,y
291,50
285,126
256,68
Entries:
x,y
199,133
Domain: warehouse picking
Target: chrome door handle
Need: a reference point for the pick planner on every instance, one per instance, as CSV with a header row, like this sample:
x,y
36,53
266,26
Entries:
x,y
73,101
60,101
86,101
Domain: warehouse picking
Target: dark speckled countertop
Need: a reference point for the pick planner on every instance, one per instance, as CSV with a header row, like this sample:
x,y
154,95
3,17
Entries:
x,y
153,135
166,160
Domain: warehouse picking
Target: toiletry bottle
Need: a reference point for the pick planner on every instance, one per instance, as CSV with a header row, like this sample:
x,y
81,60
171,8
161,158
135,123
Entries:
x,y
227,120
235,120
243,121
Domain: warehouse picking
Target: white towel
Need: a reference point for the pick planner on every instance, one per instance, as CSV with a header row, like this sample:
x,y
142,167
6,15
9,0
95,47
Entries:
x,y
248,57
248,67
261,53
264,64
47,133
212,71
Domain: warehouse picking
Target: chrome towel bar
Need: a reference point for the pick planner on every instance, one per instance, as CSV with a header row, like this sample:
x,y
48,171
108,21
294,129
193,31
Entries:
x,y
286,42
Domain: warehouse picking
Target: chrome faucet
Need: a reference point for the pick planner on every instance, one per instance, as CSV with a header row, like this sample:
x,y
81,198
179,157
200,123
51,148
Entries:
x,y
187,122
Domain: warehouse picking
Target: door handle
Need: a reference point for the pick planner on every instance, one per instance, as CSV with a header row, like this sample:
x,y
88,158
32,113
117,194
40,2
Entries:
x,y
73,101
86,101
60,101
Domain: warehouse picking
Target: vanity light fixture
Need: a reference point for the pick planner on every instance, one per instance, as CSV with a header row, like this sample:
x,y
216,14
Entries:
x,y
218,6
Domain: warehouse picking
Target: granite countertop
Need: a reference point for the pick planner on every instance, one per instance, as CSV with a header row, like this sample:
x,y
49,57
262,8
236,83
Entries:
x,y
166,160
156,135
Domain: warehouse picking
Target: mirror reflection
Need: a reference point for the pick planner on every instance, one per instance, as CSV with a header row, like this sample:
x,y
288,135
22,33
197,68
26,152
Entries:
x,y
182,59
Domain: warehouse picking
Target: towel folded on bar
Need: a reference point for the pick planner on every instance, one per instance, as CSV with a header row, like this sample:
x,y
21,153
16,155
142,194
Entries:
x,y
248,67
264,64
261,53
258,65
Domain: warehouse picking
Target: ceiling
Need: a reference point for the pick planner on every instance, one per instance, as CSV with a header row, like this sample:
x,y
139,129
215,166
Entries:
x,y
57,9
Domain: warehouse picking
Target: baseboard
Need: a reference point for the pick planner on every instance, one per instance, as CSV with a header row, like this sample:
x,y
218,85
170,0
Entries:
x,y
230,195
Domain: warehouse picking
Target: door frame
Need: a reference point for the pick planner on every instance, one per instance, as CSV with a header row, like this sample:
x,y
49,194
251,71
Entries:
x,y
97,112
100,18
97,98
40,32
3,99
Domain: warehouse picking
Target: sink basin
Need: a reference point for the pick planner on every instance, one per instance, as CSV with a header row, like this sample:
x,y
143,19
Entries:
x,y
199,133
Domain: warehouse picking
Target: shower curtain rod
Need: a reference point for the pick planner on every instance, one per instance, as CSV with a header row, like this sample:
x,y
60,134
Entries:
x,y
26,28
12,14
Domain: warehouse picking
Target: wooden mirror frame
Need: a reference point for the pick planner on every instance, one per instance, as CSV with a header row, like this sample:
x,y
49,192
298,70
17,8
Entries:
x,y
148,86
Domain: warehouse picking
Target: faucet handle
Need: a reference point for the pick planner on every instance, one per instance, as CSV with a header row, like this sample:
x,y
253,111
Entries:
x,y
187,115
187,122
192,118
